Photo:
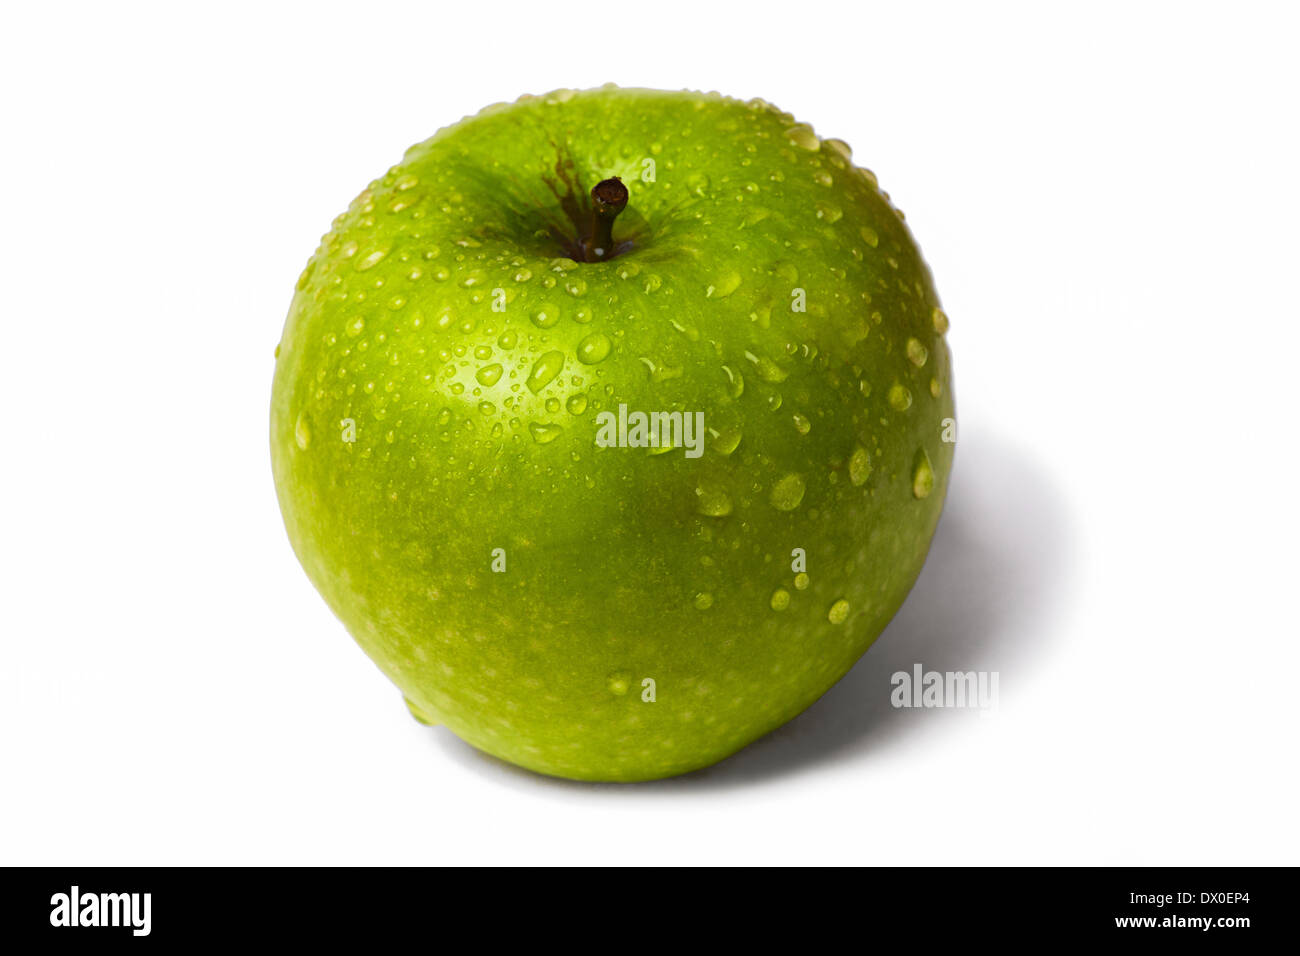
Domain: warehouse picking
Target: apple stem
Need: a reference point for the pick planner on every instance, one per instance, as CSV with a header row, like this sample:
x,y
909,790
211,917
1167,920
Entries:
x,y
608,199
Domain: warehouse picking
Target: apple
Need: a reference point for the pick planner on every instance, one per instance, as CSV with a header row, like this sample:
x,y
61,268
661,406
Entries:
x,y
615,425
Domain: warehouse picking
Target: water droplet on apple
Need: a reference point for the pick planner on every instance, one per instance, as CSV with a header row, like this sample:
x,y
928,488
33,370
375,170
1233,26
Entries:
x,y
735,382
489,374
859,467
767,370
780,599
726,440
784,269
900,398
660,372
689,331
801,424
788,493
724,285
302,432
922,476
418,714
839,612
523,275
940,319
712,500
869,236
916,352
935,388
544,370
828,212
577,404
544,434
802,135
508,340
545,316
594,348
355,327
698,184
703,601
651,283
618,683
370,260
801,581
840,148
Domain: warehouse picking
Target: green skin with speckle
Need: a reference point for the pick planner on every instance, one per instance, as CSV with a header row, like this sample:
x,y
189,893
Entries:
x,y
436,395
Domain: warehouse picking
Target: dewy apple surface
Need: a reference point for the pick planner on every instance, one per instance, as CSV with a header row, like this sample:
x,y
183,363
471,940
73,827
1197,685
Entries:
x,y
672,271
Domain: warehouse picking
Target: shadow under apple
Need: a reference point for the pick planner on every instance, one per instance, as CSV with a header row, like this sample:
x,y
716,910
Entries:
x,y
983,602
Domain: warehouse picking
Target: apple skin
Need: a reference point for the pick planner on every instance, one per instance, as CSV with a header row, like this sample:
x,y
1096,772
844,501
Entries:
x,y
825,427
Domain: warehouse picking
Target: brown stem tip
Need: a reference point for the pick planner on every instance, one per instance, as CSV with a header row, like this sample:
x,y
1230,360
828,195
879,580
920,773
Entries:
x,y
608,199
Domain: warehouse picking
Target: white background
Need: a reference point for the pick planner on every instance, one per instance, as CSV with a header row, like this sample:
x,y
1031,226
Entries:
x,y
1108,198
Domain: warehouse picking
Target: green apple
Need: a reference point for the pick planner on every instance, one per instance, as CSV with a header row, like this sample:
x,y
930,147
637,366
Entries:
x,y
612,485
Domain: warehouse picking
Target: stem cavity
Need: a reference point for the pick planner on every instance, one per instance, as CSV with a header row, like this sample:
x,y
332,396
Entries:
x,y
608,199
